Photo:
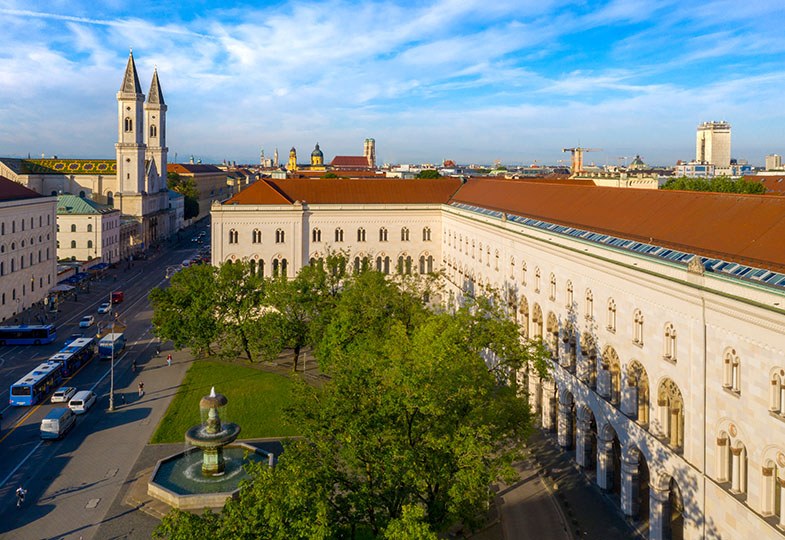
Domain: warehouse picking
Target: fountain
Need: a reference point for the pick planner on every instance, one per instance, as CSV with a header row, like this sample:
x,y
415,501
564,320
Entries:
x,y
209,472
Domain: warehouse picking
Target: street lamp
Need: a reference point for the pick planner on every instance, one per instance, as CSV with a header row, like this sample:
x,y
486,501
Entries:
x,y
111,366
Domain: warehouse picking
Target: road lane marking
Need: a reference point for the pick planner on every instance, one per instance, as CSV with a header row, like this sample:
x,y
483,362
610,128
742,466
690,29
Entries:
x,y
7,478
42,402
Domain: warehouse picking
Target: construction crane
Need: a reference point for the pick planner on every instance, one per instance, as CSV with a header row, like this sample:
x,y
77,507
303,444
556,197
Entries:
x,y
622,158
576,164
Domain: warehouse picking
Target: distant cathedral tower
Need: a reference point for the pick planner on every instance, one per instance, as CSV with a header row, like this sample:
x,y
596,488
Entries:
x,y
317,158
155,135
369,151
292,160
130,146
275,159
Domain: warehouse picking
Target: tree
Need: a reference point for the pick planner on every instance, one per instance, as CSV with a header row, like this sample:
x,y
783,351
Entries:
x,y
184,312
330,175
718,184
428,173
186,186
410,526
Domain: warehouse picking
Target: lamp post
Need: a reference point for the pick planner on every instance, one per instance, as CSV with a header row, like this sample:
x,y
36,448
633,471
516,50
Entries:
x,y
111,366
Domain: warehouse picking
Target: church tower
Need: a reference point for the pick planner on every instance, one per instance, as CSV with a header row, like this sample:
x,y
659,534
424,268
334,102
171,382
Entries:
x,y
155,134
130,148
292,160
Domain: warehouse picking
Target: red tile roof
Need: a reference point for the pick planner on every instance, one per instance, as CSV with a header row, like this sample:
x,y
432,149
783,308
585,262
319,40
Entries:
x,y
12,191
354,191
350,161
191,168
774,184
748,229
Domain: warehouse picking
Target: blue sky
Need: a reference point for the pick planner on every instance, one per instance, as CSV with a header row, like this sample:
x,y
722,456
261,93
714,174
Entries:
x,y
468,80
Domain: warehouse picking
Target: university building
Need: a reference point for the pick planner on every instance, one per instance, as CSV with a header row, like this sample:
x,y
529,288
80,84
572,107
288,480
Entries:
x,y
664,314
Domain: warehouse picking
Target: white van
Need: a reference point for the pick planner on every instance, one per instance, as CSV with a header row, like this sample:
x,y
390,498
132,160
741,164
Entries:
x,y
82,401
57,423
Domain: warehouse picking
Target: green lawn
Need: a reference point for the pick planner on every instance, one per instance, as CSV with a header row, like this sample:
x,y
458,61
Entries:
x,y
255,397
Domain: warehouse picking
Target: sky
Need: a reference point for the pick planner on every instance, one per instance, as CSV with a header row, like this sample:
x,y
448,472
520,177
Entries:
x,y
469,80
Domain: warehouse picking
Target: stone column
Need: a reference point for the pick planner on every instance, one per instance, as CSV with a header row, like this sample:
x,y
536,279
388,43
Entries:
x,y
766,501
605,464
548,407
721,459
675,427
630,487
781,486
583,444
662,417
565,425
659,514
629,400
735,469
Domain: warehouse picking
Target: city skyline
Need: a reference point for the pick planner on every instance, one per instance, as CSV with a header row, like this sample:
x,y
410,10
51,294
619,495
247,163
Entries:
x,y
451,80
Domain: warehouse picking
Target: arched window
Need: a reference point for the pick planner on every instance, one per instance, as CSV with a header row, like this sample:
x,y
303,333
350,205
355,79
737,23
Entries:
x,y
422,264
589,307
256,236
488,256
552,288
316,235
611,315
280,237
89,227
670,406
536,280
670,343
523,273
777,395
426,234
731,374
153,131
276,267
89,244
283,267
109,198
404,265
512,268
73,244
405,234
496,261
73,228
232,236
429,264
338,234
637,327
129,124
383,264
361,234
81,194
569,296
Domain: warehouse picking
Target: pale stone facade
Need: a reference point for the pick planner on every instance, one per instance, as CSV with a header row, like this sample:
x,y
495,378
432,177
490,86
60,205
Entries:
x,y
668,382
88,235
28,263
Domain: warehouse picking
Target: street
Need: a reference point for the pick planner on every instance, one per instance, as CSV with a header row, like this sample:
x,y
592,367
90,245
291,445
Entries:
x,y
71,482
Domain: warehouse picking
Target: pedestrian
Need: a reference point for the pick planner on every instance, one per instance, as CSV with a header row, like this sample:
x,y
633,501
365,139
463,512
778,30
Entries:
x,y
122,398
141,388
133,365
169,360
20,496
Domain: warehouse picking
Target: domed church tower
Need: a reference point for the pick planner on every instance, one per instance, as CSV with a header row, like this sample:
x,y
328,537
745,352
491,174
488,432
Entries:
x,y
317,158
292,160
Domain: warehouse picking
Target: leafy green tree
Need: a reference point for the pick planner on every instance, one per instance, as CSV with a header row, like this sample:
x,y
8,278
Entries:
x,y
718,184
428,173
330,175
410,526
186,186
184,312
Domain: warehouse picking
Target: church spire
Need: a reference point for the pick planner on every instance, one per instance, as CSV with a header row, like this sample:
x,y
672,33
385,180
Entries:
x,y
155,96
131,79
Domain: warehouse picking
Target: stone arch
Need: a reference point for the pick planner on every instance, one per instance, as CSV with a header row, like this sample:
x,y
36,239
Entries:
x,y
609,460
609,378
567,419
635,484
586,439
537,322
636,396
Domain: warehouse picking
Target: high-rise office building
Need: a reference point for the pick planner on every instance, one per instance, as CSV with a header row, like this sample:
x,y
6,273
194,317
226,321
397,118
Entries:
x,y
774,161
713,144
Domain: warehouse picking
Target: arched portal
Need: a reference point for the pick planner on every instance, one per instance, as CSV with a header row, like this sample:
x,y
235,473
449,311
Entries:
x,y
566,422
586,439
670,405
609,461
636,398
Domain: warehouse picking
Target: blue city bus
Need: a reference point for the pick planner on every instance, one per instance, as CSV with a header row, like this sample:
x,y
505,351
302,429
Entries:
x,y
27,334
37,384
74,355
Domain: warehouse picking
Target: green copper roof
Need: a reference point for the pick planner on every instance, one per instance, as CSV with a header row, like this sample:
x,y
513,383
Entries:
x,y
73,205
69,166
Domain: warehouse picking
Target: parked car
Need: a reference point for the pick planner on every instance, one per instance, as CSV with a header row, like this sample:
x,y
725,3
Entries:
x,y
72,338
63,394
106,307
82,401
86,321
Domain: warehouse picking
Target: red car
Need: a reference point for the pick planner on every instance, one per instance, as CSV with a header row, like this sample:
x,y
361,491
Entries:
x,y
117,297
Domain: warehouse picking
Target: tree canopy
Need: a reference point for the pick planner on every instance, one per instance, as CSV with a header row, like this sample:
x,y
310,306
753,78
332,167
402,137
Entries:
x,y
718,184
423,410
185,186
428,173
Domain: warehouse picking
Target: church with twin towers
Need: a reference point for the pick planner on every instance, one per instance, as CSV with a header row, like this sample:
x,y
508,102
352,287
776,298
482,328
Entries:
x,y
134,183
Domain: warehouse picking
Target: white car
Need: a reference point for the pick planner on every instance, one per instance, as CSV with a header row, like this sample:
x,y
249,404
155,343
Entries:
x,y
82,402
86,321
63,395
106,307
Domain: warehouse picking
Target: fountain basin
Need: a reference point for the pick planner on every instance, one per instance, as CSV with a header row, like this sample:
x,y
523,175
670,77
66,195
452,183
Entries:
x,y
178,480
